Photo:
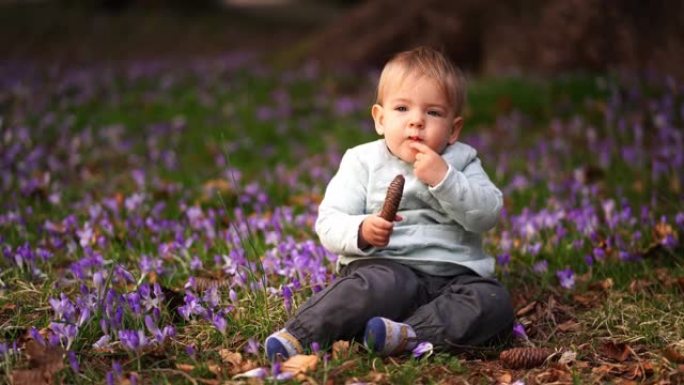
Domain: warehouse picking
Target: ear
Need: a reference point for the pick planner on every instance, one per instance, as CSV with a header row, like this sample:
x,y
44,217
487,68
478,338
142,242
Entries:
x,y
378,115
456,127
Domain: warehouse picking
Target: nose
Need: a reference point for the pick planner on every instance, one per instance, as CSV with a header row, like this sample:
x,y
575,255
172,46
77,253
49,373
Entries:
x,y
416,120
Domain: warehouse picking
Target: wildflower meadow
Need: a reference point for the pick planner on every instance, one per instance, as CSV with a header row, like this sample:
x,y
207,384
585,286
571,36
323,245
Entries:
x,y
156,222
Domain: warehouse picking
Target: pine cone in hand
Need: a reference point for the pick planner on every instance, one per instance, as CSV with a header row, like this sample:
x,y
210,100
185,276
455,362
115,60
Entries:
x,y
524,358
393,198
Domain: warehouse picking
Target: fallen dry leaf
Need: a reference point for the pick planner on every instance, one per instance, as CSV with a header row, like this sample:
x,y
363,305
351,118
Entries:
x,y
505,378
340,348
639,286
30,377
675,352
601,371
639,370
300,364
44,362
554,375
214,368
680,283
586,300
567,358
569,326
342,368
229,357
185,367
616,351
603,285
213,187
526,309
662,230
377,377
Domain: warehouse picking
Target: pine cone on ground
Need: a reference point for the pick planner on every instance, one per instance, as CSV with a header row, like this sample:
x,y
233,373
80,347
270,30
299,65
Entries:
x,y
393,198
204,283
524,358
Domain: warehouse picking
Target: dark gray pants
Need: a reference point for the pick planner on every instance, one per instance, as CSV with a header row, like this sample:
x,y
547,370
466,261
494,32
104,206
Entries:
x,y
453,313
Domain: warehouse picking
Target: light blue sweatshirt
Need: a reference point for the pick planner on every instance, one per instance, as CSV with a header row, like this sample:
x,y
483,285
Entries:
x,y
442,225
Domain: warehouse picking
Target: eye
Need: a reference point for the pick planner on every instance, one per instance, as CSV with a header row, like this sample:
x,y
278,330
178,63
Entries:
x,y
435,113
401,108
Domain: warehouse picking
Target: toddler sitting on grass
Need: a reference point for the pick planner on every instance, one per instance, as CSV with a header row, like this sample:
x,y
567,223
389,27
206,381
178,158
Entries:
x,y
423,276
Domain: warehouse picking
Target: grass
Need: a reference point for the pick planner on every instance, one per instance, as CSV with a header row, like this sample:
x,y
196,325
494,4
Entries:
x,y
221,141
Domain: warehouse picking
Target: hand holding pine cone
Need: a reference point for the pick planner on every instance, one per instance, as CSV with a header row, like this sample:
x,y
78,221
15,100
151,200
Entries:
x,y
393,198
524,358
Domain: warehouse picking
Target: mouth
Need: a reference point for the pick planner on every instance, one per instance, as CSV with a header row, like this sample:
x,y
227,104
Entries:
x,y
415,138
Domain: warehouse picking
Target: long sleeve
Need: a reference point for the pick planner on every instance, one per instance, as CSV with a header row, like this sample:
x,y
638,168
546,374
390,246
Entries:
x,y
343,207
469,197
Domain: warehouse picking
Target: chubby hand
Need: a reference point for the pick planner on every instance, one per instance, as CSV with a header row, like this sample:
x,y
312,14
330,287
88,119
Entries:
x,y
375,231
429,167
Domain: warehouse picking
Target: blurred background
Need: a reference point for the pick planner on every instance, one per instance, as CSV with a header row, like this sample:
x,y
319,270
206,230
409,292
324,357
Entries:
x,y
483,36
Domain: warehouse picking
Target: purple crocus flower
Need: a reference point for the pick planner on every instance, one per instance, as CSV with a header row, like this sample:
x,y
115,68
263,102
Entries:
x,y
133,301
259,373
123,275
6,349
669,241
679,220
220,323
24,256
287,297
534,248
503,259
85,235
599,254
134,201
423,348
278,374
541,266
109,378
252,346
65,333
63,308
519,331
103,343
190,350
116,368
159,334
99,281
133,339
195,263
35,335
566,277
211,297
147,299
190,284
73,361
149,265
192,306
83,316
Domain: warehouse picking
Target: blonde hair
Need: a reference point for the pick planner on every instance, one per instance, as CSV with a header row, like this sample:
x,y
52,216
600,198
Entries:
x,y
425,61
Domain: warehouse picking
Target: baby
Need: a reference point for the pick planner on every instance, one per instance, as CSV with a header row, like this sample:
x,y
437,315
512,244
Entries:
x,y
423,276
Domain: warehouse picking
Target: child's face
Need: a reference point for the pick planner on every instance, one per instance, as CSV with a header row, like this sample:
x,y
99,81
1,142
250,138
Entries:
x,y
416,110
